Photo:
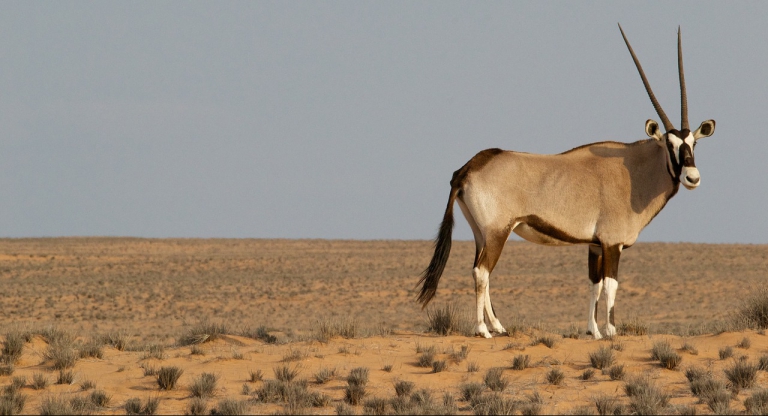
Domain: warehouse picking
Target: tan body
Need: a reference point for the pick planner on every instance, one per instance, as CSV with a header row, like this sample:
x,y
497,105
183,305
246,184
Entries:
x,y
601,194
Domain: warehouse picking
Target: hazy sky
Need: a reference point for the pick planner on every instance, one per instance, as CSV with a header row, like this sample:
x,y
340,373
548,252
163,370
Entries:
x,y
346,119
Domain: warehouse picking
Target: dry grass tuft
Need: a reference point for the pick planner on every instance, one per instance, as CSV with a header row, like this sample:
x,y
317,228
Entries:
x,y
168,376
646,398
555,376
754,311
725,352
521,362
632,327
602,358
204,386
204,331
665,354
449,319
741,374
495,380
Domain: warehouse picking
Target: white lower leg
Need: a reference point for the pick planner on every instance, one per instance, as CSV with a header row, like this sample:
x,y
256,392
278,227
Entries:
x,y
592,319
494,321
611,285
481,285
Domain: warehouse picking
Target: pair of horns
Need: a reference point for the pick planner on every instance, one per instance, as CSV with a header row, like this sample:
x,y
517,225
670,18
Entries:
x,y
683,97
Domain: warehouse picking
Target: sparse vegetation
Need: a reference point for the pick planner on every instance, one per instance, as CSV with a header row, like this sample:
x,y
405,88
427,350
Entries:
x,y
86,385
13,345
168,376
667,357
324,375
426,358
65,377
754,311
587,374
356,382
203,331
473,367
547,340
745,343
39,381
632,327
470,391
757,403
521,362
197,406
285,373
646,398
494,404
555,376
689,348
616,372
255,375
333,327
134,406
204,386
495,380
403,388
725,352
460,355
608,405
449,319
100,398
231,407
439,365
741,374
55,405
602,358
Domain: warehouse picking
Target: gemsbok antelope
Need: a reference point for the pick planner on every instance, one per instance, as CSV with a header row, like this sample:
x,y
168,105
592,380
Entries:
x,y
601,194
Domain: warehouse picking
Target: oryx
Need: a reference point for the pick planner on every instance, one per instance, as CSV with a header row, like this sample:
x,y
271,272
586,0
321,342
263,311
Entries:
x,y
601,194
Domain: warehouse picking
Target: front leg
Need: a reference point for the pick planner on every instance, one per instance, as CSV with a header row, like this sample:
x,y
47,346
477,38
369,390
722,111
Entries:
x,y
596,277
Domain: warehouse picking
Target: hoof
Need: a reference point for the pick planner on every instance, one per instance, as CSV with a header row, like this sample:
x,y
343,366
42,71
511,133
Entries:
x,y
484,334
596,334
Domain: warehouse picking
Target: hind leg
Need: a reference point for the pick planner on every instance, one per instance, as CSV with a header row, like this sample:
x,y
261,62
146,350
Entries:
x,y
486,261
596,278
611,267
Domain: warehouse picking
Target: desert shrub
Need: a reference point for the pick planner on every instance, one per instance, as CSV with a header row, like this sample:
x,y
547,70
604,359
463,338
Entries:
x,y
100,398
155,351
6,370
632,327
645,397
689,348
86,385
449,319
741,374
39,381
285,373
387,368
473,367
470,391
324,375
582,410
293,355
587,374
616,372
231,407
65,377
204,386
13,345
754,311
197,406
745,343
81,405
117,340
260,333
757,403
547,340
61,352
617,345
353,394
665,354
403,388
459,356
762,362
168,376
725,352
255,375
608,405
332,327
134,406
375,406
196,350
532,405
426,358
420,348
203,331
694,373
149,371
12,402
358,376
555,376
17,383
495,380
494,404
521,362
92,349
602,358
343,409
55,405
439,365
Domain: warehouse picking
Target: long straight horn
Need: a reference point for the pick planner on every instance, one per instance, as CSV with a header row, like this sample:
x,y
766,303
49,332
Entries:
x,y
683,95
664,119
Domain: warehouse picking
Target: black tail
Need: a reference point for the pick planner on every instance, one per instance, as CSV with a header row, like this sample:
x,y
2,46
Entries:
x,y
431,275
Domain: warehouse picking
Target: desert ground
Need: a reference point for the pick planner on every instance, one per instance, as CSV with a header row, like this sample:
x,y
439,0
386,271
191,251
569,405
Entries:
x,y
248,312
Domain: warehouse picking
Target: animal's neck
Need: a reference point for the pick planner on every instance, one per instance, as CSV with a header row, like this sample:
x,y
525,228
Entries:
x,y
655,185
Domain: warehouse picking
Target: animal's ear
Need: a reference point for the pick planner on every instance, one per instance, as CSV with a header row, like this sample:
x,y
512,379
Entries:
x,y
706,129
652,129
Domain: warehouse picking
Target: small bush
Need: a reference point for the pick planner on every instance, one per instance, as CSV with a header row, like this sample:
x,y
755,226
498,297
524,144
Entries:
x,y
100,398
81,405
155,351
358,376
473,367
745,343
93,349
197,406
149,371
494,404
471,391
329,328
17,383
353,394
494,379
132,406
442,320
426,359
632,327
62,353
204,331
693,373
663,352
343,409
87,385
587,374
285,373
204,386
375,406
725,352
757,403
6,370
13,345
547,340
324,375
255,375
608,405
55,405
387,368
602,358
439,365
645,397
260,333
521,362
754,311
39,381
555,376
762,363
293,355
741,374
459,356
118,340
65,377
616,372
231,407
689,348
403,388
168,376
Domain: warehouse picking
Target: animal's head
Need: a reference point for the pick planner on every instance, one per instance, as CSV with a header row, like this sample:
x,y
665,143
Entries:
x,y
681,143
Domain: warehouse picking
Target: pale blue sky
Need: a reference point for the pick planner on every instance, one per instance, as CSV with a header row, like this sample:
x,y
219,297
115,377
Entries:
x,y
347,119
